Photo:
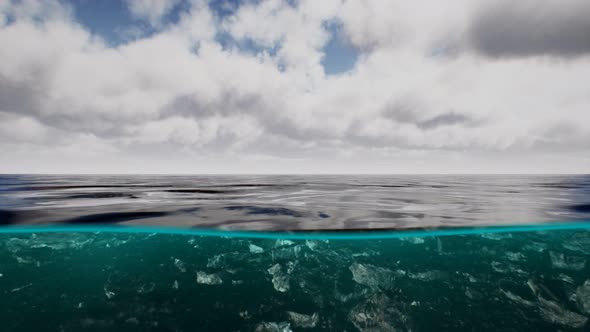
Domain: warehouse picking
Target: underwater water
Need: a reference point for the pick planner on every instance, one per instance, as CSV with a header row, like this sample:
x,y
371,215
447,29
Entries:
x,y
107,281
294,253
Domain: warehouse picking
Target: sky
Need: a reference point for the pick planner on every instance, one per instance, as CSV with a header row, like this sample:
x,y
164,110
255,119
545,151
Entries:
x,y
298,86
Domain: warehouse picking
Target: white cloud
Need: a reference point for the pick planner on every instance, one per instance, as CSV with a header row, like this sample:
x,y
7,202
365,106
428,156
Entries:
x,y
29,10
421,97
151,10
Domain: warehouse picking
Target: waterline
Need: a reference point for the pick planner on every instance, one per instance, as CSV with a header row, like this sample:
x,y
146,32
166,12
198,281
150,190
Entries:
x,y
303,235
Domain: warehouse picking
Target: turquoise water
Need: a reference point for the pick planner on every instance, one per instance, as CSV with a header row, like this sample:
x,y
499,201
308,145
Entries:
x,y
146,279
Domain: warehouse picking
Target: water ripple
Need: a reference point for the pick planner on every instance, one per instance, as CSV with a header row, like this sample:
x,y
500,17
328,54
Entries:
x,y
292,202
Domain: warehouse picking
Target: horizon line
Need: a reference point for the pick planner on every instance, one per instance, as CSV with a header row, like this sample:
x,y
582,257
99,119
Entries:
x,y
287,173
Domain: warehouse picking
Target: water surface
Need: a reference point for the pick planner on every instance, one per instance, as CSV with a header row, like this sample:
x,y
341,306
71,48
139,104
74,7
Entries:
x,y
306,202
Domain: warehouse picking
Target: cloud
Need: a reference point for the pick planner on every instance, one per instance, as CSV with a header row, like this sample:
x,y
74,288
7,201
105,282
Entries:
x,y
532,28
151,10
29,10
420,91
445,119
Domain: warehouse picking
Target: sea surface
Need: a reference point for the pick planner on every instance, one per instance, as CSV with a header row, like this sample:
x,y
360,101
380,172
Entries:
x,y
307,202
294,253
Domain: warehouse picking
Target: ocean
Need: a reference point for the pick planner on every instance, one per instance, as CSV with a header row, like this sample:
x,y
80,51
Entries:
x,y
294,253
306,202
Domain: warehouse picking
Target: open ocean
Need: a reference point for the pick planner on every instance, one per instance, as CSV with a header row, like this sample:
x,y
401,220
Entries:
x,y
294,253
278,203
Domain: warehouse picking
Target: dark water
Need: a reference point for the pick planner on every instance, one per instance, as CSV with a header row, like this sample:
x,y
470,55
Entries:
x,y
153,282
293,202
112,278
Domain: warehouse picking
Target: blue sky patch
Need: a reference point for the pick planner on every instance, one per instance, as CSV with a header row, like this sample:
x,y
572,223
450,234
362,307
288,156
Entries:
x,y
340,56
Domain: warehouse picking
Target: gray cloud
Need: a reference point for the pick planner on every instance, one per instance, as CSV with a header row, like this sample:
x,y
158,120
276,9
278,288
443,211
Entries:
x,y
533,28
269,114
18,98
563,136
230,102
411,110
403,110
445,119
